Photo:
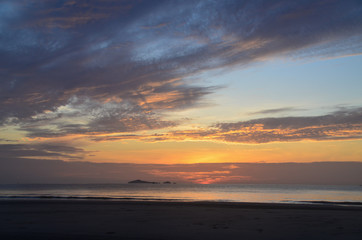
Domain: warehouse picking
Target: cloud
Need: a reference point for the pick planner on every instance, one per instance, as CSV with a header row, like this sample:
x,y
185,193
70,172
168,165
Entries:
x,y
7,140
20,170
87,117
276,110
40,151
345,124
231,166
137,56
287,173
201,177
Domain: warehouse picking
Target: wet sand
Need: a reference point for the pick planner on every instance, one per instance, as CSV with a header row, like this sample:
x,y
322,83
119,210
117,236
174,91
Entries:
x,y
70,219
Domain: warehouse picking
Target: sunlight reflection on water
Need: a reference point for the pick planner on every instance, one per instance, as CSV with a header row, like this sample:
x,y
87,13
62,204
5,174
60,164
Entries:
x,y
187,192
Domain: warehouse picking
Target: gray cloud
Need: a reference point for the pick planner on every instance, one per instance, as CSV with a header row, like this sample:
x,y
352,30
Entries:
x,y
136,55
346,117
7,140
42,171
340,125
86,117
48,151
276,110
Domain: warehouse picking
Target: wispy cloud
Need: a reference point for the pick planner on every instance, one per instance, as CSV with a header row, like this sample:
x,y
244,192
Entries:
x,y
41,151
340,125
7,140
276,110
87,117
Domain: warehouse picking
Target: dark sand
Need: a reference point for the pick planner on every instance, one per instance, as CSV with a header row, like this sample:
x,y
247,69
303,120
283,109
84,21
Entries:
x,y
69,219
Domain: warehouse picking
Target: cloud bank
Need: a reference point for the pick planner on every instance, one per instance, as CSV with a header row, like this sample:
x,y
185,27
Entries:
x,y
92,67
43,171
41,151
340,125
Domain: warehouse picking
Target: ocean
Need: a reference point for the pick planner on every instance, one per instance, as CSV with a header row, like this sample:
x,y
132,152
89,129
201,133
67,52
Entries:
x,y
267,193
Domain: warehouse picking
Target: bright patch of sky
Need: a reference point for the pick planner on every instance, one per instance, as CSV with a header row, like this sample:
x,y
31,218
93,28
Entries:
x,y
309,87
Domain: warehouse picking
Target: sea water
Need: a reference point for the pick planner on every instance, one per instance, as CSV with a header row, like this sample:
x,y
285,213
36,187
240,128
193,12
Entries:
x,y
268,193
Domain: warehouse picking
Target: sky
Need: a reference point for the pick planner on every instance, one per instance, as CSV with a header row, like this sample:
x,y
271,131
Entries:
x,y
196,91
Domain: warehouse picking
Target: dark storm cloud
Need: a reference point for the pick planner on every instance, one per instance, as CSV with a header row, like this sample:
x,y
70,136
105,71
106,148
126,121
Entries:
x,y
136,54
49,151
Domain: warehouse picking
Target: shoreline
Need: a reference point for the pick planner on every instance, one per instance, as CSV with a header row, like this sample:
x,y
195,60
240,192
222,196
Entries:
x,y
328,205
343,205
103,219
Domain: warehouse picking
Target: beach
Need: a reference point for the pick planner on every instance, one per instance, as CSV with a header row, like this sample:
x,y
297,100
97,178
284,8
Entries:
x,y
104,219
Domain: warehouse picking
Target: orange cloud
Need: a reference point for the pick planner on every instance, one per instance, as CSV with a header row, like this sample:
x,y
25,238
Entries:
x,y
204,177
340,125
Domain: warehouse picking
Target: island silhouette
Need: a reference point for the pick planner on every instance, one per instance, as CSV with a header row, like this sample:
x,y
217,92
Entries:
x,y
142,181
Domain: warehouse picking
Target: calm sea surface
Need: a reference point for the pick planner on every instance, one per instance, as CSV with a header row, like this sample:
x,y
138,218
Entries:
x,y
186,192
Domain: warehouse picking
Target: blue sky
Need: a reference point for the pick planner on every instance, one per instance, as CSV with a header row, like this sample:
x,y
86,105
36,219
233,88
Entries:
x,y
300,87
